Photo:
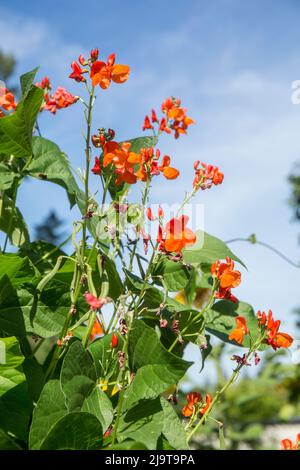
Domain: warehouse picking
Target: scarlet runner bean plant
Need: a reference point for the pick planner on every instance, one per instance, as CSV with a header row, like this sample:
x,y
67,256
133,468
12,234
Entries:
x,y
94,340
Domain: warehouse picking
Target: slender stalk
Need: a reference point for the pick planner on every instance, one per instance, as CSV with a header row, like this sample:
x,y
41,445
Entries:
x,y
252,239
11,218
87,169
144,201
229,382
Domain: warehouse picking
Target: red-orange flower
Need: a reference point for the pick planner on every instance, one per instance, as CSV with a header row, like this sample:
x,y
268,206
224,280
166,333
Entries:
x,y
147,123
97,330
44,84
206,176
94,302
7,99
132,166
192,399
228,277
175,235
287,444
97,167
174,118
275,338
240,331
208,402
103,73
77,72
61,98
114,340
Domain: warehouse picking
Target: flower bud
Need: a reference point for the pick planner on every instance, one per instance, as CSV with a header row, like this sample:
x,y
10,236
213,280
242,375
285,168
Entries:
x,y
94,54
149,214
114,341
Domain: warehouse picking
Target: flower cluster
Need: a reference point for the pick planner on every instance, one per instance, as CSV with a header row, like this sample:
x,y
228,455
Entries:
x,y
228,278
270,328
61,98
196,405
175,235
206,176
287,444
132,166
7,101
174,118
101,73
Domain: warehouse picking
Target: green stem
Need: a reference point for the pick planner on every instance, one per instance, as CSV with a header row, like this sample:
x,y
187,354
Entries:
x,y
229,382
144,200
11,218
87,169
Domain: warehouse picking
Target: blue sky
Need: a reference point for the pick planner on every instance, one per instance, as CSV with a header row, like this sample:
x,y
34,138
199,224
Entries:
x,y
232,64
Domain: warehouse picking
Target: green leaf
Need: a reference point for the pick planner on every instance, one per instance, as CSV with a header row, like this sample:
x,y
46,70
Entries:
x,y
128,445
175,275
75,431
50,408
78,376
35,377
21,311
156,368
9,378
11,320
208,250
26,80
19,270
7,177
192,330
16,129
13,356
116,287
221,320
12,222
7,442
98,404
172,426
51,164
15,402
35,251
143,423
146,422
134,282
100,350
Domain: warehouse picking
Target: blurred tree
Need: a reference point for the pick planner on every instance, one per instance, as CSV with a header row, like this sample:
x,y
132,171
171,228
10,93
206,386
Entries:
x,y
294,179
47,230
7,68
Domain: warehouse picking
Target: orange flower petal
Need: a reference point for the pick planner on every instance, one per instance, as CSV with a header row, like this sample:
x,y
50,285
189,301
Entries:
x,y
108,158
187,411
283,340
237,335
173,244
230,279
120,73
134,158
170,173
